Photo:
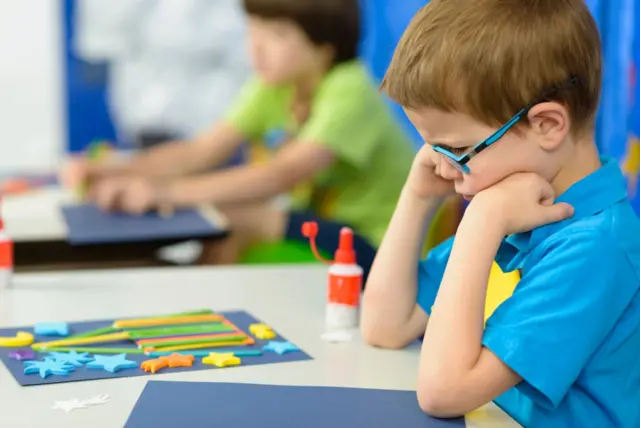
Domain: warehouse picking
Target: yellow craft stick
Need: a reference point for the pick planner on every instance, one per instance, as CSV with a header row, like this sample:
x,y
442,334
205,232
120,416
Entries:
x,y
149,322
82,341
248,341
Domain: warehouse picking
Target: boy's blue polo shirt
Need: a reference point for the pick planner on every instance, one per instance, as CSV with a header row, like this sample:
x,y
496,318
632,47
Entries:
x,y
572,327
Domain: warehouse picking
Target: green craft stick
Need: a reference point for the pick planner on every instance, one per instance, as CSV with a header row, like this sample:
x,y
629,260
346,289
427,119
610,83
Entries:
x,y
180,330
178,342
94,333
97,350
237,353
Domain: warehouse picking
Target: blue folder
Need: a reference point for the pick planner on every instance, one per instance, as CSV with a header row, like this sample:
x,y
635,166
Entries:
x,y
86,225
200,404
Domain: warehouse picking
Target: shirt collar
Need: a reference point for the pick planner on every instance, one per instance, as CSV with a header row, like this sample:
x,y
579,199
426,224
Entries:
x,y
589,196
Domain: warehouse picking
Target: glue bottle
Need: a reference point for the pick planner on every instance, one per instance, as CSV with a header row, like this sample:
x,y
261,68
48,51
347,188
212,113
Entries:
x,y
6,257
345,279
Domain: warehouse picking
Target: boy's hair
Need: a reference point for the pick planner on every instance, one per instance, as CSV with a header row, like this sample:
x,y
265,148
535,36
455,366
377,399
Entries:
x,y
491,58
331,22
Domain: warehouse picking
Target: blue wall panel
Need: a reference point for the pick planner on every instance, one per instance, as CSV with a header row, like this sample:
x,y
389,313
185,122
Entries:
x,y
85,93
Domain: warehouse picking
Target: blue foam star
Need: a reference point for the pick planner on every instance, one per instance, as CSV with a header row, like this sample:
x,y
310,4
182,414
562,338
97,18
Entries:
x,y
112,363
73,358
280,347
52,329
48,367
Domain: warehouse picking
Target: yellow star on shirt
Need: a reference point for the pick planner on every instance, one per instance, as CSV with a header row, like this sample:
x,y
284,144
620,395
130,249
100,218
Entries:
x,y
221,360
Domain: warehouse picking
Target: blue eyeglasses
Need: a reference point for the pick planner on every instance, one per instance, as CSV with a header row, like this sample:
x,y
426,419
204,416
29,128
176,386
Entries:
x,y
460,162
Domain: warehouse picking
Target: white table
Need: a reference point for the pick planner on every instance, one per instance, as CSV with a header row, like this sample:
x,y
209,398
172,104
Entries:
x,y
36,216
103,295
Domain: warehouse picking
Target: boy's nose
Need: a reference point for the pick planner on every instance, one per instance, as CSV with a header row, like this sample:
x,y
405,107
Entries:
x,y
448,171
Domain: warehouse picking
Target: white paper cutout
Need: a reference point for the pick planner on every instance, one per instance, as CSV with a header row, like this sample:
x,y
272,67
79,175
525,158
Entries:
x,y
74,403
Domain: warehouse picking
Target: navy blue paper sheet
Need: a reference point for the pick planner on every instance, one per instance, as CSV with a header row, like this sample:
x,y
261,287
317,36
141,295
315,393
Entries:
x,y
199,404
86,225
241,319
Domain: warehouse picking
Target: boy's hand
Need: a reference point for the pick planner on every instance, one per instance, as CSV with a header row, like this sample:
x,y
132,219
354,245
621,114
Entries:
x,y
424,179
134,195
74,173
520,203
80,171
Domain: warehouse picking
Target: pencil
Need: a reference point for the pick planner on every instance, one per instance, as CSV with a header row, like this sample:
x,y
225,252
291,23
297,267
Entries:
x,y
96,152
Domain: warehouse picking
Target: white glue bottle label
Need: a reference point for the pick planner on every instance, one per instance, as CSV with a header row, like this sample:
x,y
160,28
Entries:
x,y
343,299
6,258
344,284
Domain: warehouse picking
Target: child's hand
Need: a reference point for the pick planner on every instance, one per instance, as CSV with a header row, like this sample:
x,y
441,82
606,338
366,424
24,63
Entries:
x,y
74,173
520,203
424,179
134,195
79,171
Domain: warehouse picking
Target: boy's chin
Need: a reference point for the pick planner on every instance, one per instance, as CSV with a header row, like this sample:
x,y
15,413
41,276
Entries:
x,y
467,198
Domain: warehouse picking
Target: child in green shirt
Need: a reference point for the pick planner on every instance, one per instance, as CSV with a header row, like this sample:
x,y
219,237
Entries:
x,y
329,139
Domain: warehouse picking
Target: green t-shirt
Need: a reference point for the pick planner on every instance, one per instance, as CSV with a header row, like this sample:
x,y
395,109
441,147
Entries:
x,y
347,115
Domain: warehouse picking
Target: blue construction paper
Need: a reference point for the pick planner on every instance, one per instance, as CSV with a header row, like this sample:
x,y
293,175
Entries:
x,y
86,224
241,319
200,404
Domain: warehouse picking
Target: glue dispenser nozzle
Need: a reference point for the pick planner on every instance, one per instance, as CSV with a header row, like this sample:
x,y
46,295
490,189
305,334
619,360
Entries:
x,y
345,254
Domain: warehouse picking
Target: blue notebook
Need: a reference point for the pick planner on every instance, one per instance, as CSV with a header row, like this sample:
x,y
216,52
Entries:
x,y
86,224
197,404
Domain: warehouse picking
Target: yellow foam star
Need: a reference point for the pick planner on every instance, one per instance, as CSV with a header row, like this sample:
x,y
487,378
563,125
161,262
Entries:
x,y
262,331
631,165
221,360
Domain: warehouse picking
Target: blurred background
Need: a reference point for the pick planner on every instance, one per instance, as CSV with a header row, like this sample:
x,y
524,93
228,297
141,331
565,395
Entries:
x,y
142,71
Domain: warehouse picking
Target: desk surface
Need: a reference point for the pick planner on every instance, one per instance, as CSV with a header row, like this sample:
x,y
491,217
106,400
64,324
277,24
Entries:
x,y
36,216
299,316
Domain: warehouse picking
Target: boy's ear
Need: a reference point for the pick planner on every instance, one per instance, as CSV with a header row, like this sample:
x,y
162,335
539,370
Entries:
x,y
550,123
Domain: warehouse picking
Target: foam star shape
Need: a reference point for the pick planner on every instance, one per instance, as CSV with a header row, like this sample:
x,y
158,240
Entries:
x,y
69,405
262,331
22,355
48,367
74,403
221,360
98,399
280,347
111,363
179,360
72,357
154,365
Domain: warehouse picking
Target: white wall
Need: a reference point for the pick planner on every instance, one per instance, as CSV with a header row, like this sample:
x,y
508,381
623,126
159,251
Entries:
x,y
31,109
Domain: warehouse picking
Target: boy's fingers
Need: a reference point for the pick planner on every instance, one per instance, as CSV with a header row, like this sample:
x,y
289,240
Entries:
x,y
558,212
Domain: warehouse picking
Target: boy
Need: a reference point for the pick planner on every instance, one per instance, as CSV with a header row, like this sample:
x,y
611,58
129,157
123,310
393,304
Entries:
x,y
338,150
522,77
